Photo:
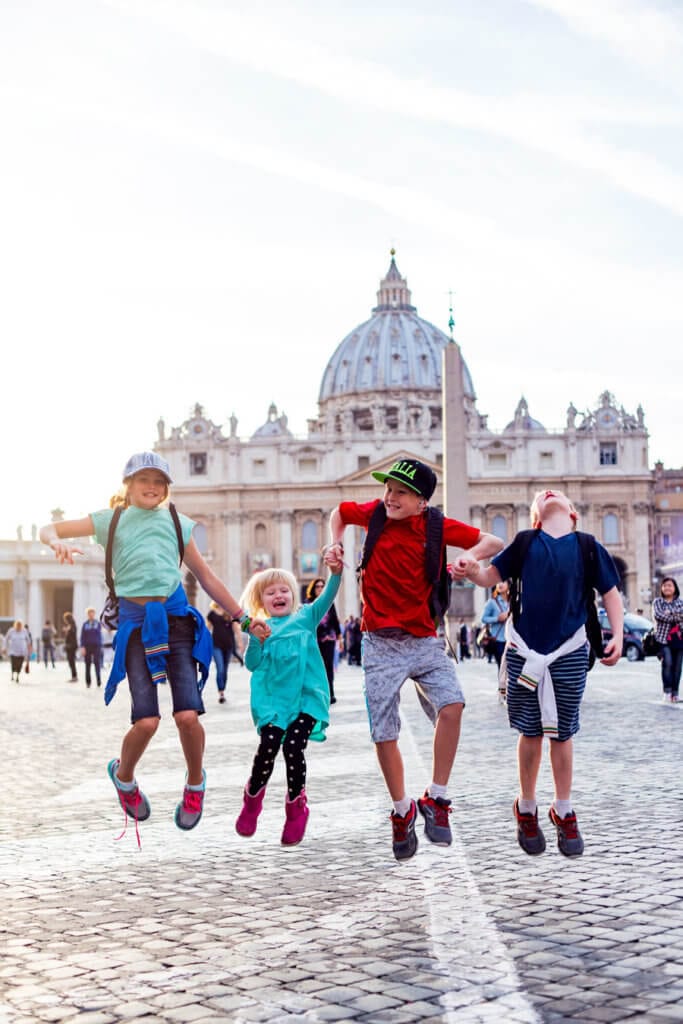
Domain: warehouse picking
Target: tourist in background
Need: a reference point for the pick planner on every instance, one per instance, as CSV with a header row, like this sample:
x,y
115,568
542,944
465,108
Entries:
x,y
70,643
328,634
223,635
91,645
18,648
47,640
668,612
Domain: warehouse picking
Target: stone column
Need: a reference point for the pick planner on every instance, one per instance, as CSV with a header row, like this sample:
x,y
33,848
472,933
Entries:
x,y
35,612
286,559
349,597
234,569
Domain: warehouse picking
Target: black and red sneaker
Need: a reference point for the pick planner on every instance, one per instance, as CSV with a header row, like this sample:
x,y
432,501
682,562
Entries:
x,y
435,811
529,835
404,837
569,839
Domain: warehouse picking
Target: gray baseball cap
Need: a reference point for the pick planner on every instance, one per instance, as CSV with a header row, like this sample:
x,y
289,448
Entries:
x,y
147,460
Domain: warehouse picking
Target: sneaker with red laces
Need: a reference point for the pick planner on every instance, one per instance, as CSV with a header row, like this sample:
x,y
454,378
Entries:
x,y
569,839
529,835
133,801
435,811
189,810
404,837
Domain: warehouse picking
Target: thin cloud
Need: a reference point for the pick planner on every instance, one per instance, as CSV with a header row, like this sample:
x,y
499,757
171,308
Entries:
x,y
563,128
649,36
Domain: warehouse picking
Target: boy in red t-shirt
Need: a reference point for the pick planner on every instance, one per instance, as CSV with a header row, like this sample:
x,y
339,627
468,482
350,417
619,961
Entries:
x,y
400,642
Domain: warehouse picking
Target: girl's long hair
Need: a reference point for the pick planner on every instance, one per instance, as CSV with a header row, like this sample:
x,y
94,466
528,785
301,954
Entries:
x,y
251,599
121,496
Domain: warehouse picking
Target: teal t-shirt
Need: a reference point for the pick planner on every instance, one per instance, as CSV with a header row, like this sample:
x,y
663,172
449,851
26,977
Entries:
x,y
288,674
145,557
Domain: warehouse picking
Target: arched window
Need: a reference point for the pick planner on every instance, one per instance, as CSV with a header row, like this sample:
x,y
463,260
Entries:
x,y
309,536
499,528
201,538
260,535
610,529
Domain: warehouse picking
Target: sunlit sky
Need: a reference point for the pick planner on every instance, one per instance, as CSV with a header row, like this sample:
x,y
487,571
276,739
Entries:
x,y
198,201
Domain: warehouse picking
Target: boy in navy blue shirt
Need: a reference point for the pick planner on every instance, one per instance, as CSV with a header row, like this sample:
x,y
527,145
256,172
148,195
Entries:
x,y
546,658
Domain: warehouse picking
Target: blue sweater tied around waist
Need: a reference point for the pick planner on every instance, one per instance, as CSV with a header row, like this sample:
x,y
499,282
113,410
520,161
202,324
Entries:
x,y
153,620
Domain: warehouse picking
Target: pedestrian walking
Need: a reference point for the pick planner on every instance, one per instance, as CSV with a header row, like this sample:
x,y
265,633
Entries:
x,y
328,633
160,635
18,648
290,697
70,634
91,646
223,636
47,640
400,641
494,616
668,612
546,656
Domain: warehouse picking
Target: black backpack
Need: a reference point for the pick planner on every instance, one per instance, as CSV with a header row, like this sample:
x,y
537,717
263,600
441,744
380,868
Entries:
x,y
518,550
436,569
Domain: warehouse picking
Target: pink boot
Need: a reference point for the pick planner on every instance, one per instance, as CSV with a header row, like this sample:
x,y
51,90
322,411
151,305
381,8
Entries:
x,y
296,813
251,808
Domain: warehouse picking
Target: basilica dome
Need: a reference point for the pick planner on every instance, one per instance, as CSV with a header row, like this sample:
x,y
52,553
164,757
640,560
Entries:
x,y
395,350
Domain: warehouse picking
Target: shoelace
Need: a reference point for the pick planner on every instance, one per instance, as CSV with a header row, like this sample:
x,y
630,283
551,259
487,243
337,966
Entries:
x,y
568,825
401,826
441,812
529,824
193,800
130,799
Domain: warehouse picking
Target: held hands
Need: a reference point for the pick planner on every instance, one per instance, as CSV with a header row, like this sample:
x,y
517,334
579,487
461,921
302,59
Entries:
x,y
260,629
64,552
464,569
333,558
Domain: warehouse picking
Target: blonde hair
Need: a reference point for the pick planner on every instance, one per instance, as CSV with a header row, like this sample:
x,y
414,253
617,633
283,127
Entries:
x,y
252,598
121,496
535,517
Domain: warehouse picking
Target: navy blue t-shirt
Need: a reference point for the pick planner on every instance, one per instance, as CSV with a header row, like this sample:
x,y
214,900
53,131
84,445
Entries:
x,y
553,606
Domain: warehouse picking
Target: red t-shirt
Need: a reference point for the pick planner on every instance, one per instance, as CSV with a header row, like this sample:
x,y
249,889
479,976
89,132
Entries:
x,y
395,589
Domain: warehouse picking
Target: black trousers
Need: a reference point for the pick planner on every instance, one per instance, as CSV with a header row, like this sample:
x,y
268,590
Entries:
x,y
293,741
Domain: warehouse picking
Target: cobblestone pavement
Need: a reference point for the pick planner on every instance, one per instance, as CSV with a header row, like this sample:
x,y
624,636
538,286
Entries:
x,y
206,926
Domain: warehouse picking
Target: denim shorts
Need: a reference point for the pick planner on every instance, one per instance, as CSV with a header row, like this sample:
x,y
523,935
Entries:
x,y
181,669
390,656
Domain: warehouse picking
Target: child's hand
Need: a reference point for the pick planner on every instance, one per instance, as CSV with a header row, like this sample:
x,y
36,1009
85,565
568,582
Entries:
x,y
64,552
464,569
333,558
612,652
260,629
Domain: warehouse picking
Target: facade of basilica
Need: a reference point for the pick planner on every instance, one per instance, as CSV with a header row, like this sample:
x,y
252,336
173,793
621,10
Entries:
x,y
265,500
386,393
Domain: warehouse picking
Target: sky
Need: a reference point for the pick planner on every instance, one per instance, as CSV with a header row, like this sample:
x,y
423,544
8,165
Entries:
x,y
199,198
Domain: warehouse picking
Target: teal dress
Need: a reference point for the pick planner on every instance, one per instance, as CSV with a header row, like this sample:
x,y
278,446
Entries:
x,y
287,672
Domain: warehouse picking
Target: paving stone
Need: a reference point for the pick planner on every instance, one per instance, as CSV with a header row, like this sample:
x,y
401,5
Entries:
x,y
206,927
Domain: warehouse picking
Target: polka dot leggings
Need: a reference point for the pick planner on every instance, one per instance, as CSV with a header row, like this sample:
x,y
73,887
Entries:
x,y
294,741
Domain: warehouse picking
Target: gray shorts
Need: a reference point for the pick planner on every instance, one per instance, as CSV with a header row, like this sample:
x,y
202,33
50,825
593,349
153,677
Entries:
x,y
390,656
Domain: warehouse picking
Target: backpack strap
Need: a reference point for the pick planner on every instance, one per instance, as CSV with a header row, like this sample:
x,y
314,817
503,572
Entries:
x,y
110,546
589,555
110,542
518,549
434,552
178,530
375,527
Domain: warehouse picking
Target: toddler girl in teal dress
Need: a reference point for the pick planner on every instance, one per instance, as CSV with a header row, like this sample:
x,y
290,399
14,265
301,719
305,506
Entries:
x,y
290,697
